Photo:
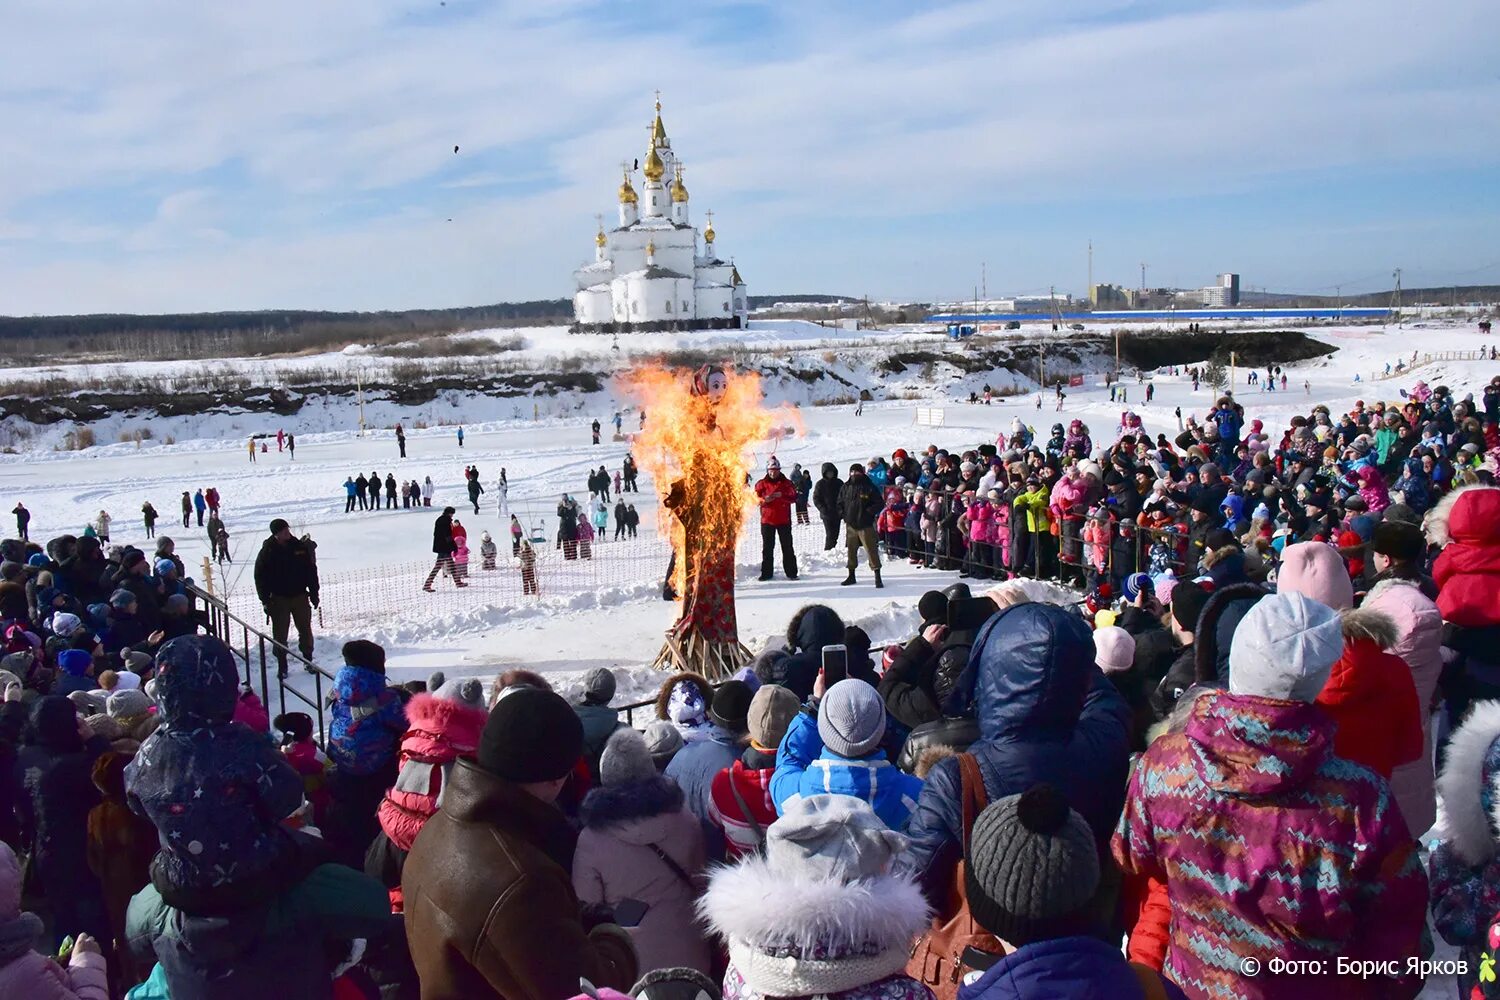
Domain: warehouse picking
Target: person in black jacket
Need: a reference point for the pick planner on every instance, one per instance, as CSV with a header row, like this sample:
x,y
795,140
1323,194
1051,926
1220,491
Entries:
x,y
825,497
361,490
443,546
860,504
374,491
82,573
286,580
390,491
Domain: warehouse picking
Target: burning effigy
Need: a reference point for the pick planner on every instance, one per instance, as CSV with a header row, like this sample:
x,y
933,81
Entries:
x,y
700,430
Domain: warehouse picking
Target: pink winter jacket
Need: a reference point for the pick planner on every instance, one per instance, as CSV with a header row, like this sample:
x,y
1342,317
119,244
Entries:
x,y
1002,530
1097,534
1372,488
981,523
1419,627
439,731
37,977
1066,494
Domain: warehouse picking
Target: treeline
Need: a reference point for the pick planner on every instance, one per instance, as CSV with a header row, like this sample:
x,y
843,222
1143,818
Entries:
x,y
31,339
1445,295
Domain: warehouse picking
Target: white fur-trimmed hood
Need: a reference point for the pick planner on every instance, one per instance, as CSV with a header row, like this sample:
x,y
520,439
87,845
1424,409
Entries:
x,y
1464,820
1435,524
791,936
752,903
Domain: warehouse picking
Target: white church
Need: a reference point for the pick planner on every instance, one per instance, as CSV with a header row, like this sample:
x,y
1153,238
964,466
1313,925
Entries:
x,y
648,273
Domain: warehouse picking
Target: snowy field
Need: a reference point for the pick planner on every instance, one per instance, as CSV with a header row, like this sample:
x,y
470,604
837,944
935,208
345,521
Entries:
x,y
618,624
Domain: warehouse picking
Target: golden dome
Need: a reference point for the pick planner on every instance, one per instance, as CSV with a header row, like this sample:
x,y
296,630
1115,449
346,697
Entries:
x,y
627,193
658,130
651,248
708,232
599,240
654,168
679,192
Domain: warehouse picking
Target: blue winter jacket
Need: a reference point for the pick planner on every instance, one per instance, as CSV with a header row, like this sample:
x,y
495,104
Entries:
x,y
805,767
368,720
1046,714
1065,967
694,767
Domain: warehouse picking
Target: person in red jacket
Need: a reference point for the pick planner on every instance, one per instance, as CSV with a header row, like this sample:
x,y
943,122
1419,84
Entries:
x,y
740,796
776,495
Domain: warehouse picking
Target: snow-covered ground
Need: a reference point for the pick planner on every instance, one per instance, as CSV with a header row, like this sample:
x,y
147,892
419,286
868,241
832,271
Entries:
x,y
546,452
619,624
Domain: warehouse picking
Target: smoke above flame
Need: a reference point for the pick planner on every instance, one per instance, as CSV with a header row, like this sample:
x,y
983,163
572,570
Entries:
x,y
705,445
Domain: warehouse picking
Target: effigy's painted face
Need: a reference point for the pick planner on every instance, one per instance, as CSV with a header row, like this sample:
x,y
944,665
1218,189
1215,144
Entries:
x,y
717,382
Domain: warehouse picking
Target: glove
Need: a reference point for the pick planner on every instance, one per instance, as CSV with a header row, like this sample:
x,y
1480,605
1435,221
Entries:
x,y
312,599
267,609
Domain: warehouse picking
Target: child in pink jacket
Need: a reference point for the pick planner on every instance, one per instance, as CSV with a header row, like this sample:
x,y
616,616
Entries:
x,y
442,726
31,974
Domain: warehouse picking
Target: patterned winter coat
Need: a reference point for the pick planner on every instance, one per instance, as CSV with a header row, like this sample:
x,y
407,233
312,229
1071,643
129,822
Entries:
x,y
932,519
439,732
368,720
1270,846
1465,863
1002,529
215,791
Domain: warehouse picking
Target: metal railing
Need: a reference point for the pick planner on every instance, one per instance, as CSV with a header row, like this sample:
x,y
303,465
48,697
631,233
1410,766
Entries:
x,y
258,654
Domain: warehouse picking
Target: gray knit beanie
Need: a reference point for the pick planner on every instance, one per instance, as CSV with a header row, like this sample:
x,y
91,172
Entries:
x,y
1032,868
598,686
127,704
663,740
831,838
467,691
626,759
851,718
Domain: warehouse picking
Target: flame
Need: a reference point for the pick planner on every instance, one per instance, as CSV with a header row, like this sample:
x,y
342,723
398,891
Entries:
x,y
706,446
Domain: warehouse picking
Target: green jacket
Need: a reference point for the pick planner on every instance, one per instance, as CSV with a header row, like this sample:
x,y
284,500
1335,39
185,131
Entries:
x,y
1384,438
1034,504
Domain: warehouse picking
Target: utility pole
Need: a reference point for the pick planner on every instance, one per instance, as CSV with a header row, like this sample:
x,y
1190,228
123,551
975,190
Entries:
x,y
1338,293
359,391
1089,291
1232,382
984,281
1396,299
1143,276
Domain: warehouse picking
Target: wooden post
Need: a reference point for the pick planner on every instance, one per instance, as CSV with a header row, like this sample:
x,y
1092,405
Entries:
x,y
208,576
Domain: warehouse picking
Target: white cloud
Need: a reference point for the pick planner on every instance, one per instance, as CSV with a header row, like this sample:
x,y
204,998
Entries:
x,y
301,154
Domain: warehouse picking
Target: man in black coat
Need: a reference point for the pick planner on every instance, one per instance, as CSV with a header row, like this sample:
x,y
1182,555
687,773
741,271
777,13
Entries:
x,y
286,580
860,504
825,497
443,546
362,490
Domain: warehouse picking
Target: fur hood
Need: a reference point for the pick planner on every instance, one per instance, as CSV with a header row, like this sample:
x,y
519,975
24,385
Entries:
x,y
1367,623
612,805
1469,782
665,694
1435,524
797,936
444,717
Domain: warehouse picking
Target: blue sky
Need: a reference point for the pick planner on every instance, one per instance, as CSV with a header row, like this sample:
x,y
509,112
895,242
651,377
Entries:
x,y
166,155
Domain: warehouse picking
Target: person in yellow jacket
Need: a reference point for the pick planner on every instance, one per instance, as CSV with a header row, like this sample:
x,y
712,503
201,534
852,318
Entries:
x,y
1031,503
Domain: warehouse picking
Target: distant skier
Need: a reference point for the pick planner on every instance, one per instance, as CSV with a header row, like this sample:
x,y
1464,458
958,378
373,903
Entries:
x,y
148,515
596,431
401,440
460,437
23,522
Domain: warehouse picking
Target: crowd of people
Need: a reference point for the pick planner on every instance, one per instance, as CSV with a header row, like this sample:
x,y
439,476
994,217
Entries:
x,y
1208,778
